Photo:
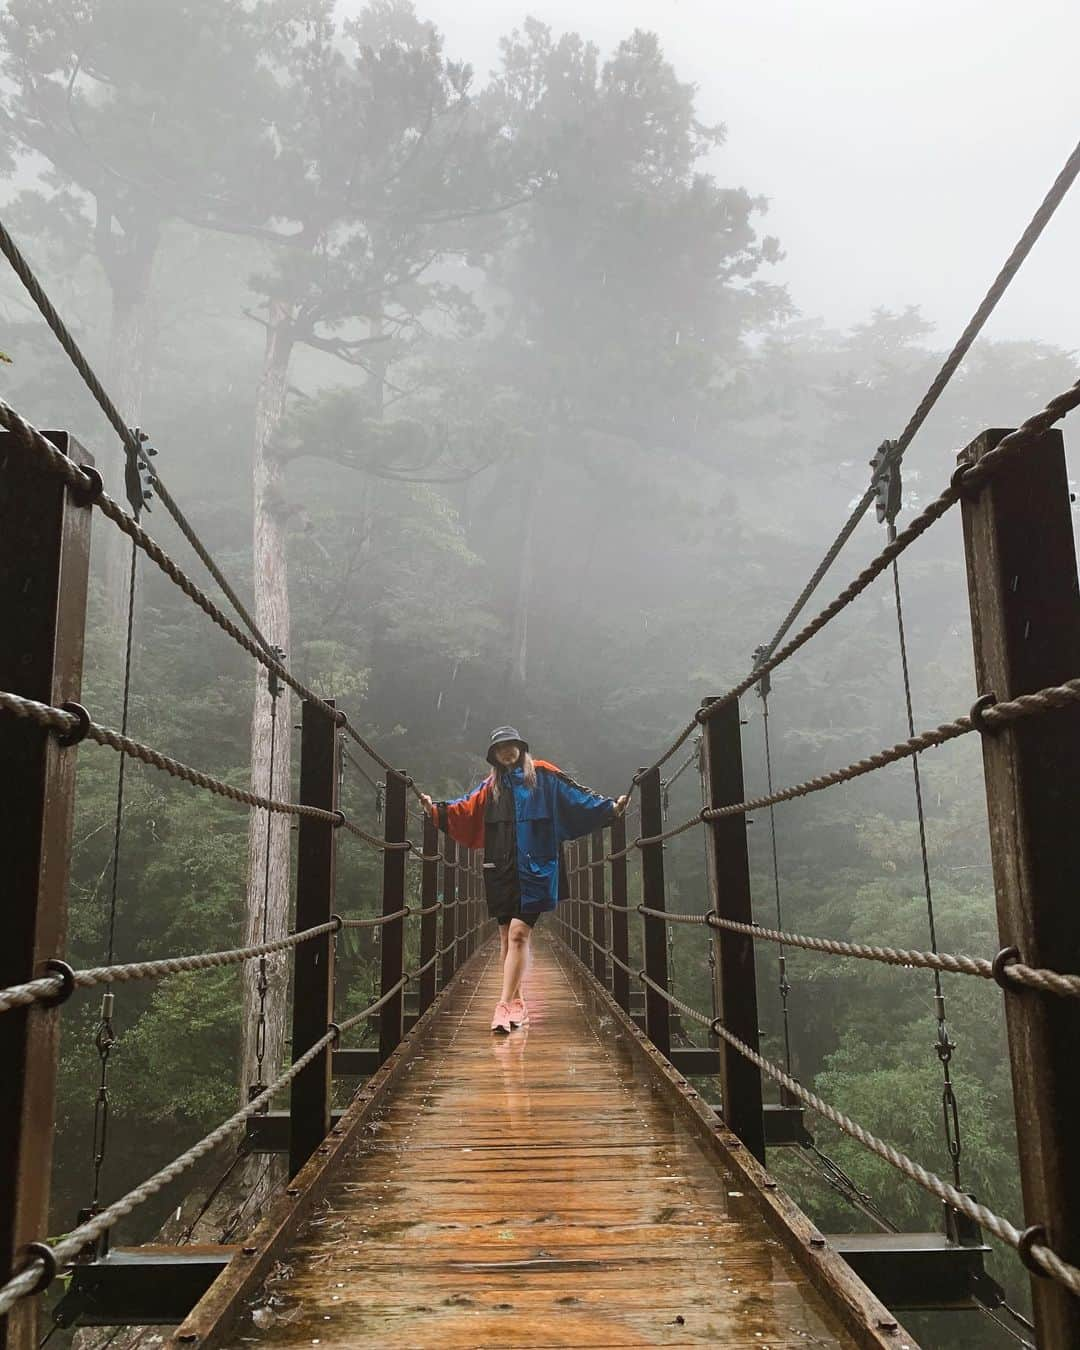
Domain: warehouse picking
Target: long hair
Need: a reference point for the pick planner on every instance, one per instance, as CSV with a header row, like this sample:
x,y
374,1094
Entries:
x,y
528,769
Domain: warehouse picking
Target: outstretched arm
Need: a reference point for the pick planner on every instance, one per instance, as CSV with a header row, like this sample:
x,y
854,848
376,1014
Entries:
x,y
580,811
462,819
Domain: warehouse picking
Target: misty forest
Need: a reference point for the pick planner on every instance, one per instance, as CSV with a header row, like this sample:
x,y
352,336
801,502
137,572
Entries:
x,y
482,388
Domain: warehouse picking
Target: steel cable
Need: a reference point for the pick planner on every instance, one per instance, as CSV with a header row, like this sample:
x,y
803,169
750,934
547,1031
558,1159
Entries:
x,y
1000,285
128,437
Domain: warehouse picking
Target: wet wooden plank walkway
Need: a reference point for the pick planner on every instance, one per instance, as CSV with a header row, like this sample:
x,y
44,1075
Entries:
x,y
535,1190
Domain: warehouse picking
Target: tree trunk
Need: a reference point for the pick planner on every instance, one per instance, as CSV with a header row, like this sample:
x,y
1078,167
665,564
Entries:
x,y
517,664
268,904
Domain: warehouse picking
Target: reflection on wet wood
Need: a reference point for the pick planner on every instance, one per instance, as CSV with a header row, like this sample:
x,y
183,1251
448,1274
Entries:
x,y
534,1190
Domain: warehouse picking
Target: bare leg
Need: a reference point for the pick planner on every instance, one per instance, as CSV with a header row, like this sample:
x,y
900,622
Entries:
x,y
504,942
517,959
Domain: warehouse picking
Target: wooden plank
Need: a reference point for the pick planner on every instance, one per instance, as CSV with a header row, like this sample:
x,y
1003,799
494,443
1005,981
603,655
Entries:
x,y
211,1321
620,1226
1025,620
44,562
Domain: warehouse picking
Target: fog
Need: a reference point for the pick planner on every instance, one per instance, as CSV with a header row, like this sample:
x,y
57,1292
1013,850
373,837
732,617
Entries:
x,y
902,146
531,398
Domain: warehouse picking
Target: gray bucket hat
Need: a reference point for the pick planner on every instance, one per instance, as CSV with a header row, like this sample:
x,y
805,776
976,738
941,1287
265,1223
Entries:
x,y
505,736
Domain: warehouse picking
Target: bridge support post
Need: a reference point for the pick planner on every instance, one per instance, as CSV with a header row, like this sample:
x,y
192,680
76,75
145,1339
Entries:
x,y
44,562
583,891
450,909
464,900
657,1008
620,929
599,916
429,923
728,879
1025,618
313,972
396,819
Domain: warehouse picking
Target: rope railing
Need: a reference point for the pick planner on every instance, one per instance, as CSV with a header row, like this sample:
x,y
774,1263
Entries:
x,y
128,436
1006,968
73,727
965,480
379,920
46,1261
986,716
53,989
1026,1242
88,486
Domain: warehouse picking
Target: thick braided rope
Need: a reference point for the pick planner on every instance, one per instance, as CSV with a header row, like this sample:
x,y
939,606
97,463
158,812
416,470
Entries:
x,y
1054,1266
672,918
352,1021
24,1283
1058,1269
429,909
1052,698
1011,445
30,440
36,991
62,722
375,840
379,921
1048,981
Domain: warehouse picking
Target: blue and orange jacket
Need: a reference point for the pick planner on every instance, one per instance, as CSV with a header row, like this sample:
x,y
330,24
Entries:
x,y
556,810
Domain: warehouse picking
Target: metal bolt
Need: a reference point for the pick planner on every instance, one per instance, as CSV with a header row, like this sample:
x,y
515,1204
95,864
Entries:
x,y
248,1251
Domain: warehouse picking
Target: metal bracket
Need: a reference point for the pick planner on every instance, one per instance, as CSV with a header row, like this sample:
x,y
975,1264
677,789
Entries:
x,y
887,484
139,478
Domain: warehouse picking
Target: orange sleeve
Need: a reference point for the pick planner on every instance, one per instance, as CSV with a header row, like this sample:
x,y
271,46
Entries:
x,y
463,819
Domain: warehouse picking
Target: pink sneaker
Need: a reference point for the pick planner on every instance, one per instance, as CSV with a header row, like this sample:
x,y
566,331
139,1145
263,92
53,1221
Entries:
x,y
519,1014
501,1020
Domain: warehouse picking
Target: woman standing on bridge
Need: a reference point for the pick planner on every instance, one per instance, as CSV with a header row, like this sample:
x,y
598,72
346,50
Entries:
x,y
520,815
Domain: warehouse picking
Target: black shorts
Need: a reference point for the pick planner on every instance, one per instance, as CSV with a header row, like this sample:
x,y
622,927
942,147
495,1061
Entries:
x,y
530,919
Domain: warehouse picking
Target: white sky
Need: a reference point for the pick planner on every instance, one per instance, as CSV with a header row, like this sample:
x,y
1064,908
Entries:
x,y
903,146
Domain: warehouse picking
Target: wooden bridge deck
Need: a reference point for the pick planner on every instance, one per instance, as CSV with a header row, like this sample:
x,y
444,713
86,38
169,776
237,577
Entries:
x,y
535,1190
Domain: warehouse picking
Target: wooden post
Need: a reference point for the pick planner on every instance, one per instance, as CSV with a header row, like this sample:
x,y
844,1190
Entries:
x,y
464,902
429,923
657,1008
620,929
599,916
450,908
44,558
585,909
391,1016
1025,619
310,1096
728,874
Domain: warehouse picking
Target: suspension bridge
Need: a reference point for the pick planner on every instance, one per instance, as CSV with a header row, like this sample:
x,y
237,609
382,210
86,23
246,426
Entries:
x,y
575,1184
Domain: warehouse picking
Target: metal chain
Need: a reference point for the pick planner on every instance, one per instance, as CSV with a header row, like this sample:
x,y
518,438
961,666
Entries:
x,y
105,1033
48,988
